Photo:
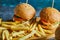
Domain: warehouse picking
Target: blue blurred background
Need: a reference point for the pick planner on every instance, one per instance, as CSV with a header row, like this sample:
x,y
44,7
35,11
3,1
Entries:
x,y
7,6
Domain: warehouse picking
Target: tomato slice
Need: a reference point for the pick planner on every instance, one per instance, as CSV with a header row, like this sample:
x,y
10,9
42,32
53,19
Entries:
x,y
45,22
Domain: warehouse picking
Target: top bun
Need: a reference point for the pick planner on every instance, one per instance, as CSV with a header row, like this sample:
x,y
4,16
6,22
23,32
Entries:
x,y
50,15
25,11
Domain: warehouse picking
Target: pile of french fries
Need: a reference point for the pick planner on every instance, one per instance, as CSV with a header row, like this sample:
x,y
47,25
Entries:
x,y
22,31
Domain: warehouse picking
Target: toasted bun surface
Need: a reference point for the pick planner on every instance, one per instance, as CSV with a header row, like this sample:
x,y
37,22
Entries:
x,y
25,11
50,15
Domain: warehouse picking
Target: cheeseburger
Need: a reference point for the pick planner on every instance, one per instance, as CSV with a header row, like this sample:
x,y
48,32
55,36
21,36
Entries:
x,y
24,11
50,17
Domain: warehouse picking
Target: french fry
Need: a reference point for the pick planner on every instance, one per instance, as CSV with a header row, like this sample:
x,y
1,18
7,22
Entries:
x,y
36,28
27,36
34,38
48,31
3,36
19,28
37,33
15,39
20,25
9,23
6,26
41,30
33,27
26,23
1,28
10,37
14,27
6,33
21,35
17,33
40,33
